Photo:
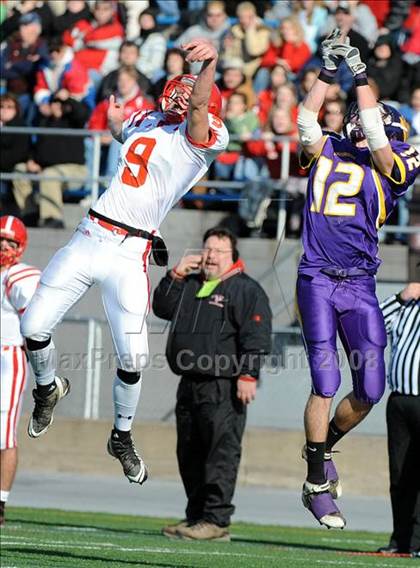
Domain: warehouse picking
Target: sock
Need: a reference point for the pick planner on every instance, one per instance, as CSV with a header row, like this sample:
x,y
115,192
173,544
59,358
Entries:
x,y
4,495
334,435
43,363
315,457
126,398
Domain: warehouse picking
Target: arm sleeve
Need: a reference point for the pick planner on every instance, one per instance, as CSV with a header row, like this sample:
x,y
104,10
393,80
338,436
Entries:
x,y
253,317
167,296
390,309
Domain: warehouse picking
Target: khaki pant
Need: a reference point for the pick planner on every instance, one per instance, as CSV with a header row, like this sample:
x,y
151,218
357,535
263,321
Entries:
x,y
50,191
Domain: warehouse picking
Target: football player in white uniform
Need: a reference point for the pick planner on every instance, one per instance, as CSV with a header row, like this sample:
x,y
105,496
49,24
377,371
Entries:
x,y
163,155
18,284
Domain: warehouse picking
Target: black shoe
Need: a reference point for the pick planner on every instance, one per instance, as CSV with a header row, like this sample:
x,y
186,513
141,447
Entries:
x,y
51,223
124,450
43,413
2,507
389,549
415,553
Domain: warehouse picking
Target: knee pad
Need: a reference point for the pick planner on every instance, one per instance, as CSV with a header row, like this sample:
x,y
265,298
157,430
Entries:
x,y
29,330
128,377
34,345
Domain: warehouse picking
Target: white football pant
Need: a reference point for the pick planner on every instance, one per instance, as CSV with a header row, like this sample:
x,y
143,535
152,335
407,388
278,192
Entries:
x,y
12,384
119,265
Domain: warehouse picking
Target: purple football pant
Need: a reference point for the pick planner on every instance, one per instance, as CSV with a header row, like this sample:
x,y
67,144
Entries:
x,y
327,305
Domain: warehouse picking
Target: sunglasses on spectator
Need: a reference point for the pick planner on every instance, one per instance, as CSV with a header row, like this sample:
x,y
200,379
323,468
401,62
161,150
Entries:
x,y
8,106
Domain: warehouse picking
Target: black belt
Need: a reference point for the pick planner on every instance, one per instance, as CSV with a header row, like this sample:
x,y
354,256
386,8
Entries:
x,y
345,272
159,250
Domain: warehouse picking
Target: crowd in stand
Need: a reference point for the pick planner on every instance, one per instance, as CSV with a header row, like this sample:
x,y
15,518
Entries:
x,y
61,59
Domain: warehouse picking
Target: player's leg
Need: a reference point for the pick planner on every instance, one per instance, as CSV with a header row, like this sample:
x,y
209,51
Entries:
x,y
12,385
319,328
65,279
190,454
362,332
220,419
125,295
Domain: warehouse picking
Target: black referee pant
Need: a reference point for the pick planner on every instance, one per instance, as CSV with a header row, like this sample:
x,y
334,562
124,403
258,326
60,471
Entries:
x,y
403,423
210,423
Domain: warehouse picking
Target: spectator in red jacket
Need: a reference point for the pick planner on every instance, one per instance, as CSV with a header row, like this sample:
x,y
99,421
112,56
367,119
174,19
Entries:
x,y
62,71
278,78
133,99
288,49
97,42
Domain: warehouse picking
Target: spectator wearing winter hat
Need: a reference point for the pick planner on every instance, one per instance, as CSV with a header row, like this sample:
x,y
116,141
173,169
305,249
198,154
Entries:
x,y
25,8
23,54
385,67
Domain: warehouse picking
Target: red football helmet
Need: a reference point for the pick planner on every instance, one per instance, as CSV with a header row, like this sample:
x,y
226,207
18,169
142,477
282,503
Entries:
x,y
12,229
178,90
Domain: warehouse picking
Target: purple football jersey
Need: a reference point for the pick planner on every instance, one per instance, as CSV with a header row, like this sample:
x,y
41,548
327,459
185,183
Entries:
x,y
348,200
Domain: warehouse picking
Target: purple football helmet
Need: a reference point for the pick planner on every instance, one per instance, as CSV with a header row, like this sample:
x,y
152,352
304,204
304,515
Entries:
x,y
396,126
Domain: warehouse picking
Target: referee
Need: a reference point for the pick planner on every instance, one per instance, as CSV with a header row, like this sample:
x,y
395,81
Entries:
x,y
402,319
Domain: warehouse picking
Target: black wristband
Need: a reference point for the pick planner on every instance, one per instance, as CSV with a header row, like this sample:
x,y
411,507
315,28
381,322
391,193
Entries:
x,y
326,76
361,79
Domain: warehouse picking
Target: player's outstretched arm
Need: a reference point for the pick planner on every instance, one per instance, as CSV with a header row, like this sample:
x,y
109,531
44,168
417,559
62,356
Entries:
x,y
310,133
115,118
198,121
370,114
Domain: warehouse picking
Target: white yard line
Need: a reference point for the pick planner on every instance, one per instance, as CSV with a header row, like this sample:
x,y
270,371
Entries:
x,y
100,546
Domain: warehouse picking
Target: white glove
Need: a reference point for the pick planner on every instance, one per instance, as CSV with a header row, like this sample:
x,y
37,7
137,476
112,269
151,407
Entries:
x,y
351,55
331,60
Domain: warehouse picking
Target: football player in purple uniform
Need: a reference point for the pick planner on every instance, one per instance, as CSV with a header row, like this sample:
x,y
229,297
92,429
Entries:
x,y
354,183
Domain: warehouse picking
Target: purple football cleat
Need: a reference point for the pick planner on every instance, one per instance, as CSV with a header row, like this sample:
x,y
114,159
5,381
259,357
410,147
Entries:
x,y
331,473
318,499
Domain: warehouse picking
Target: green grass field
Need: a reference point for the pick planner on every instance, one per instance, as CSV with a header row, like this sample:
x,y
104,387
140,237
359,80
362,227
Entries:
x,y
49,538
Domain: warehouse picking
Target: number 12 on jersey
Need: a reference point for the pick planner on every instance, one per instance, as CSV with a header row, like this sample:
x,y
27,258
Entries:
x,y
140,159
337,189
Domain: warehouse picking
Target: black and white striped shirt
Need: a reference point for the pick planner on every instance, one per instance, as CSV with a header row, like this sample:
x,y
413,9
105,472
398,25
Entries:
x,y
402,322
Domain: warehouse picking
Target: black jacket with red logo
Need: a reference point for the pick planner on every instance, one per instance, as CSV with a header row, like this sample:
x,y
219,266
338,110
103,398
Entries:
x,y
225,334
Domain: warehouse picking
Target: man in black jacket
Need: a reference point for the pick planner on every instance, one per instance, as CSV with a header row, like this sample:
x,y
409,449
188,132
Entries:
x,y
220,331
57,155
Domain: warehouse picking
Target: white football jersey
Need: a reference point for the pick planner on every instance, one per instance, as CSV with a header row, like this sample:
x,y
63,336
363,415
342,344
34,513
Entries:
x,y
18,284
158,164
